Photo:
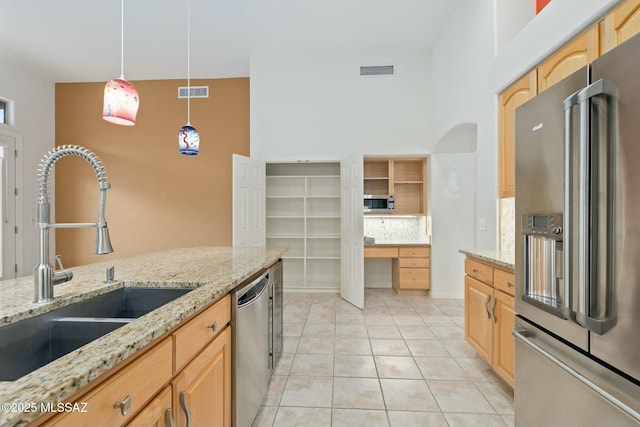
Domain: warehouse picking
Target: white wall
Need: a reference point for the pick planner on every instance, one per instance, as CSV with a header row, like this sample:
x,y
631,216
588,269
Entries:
x,y
34,101
318,107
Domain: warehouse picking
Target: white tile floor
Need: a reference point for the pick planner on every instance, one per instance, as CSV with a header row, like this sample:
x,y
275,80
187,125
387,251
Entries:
x,y
400,362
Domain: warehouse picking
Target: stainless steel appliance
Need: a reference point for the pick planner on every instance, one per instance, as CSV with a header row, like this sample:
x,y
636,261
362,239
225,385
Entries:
x,y
377,204
577,271
256,322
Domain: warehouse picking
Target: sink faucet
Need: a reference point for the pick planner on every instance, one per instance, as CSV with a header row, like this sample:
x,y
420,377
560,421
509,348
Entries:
x,y
44,275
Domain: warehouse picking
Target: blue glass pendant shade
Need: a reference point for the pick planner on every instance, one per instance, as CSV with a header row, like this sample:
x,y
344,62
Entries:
x,y
189,140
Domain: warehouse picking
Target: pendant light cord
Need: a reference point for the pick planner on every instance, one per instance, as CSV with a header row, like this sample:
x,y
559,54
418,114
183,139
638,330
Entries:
x,y
122,39
188,62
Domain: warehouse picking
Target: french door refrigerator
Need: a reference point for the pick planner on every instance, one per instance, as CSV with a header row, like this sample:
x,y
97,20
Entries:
x,y
577,154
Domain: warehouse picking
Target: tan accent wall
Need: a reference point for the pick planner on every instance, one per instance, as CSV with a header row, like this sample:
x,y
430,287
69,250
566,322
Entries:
x,y
158,199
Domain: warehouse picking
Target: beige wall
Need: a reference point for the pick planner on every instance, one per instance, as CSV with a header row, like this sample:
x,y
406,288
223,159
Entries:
x,y
158,199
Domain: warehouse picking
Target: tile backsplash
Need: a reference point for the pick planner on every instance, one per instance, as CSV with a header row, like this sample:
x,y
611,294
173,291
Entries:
x,y
394,229
507,224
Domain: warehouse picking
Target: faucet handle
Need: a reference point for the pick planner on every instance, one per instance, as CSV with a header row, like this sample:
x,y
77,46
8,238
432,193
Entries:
x,y
111,272
59,261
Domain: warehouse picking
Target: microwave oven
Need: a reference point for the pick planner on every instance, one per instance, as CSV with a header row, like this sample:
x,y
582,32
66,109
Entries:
x,y
376,204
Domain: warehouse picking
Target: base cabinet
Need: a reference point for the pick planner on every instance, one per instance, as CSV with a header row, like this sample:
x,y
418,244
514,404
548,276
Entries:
x,y
490,315
158,413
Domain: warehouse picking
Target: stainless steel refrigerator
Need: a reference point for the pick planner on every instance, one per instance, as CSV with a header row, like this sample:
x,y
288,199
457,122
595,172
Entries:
x,y
577,254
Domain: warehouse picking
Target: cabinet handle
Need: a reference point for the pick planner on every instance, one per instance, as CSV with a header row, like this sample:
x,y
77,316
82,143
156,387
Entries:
x,y
509,285
493,310
168,418
124,405
486,306
214,326
185,407
473,270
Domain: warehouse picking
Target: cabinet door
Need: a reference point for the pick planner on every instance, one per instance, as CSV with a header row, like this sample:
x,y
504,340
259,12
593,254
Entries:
x,y
157,413
570,58
514,96
478,325
503,342
202,391
620,25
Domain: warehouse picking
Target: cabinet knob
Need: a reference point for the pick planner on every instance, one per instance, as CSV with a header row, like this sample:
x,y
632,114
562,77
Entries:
x,y
214,326
473,270
509,285
124,405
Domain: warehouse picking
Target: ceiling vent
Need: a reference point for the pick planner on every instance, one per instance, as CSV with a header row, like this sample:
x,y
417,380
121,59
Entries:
x,y
196,92
377,70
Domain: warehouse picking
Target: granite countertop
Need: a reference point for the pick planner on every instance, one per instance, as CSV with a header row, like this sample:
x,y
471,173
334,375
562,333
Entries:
x,y
211,271
502,258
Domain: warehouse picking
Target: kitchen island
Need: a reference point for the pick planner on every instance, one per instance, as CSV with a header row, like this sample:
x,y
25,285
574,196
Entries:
x,y
211,271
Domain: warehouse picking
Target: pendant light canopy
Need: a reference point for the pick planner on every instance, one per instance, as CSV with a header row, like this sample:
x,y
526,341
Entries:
x,y
121,98
188,136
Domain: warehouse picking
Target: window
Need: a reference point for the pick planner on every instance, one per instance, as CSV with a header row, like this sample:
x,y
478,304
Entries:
x,y
3,111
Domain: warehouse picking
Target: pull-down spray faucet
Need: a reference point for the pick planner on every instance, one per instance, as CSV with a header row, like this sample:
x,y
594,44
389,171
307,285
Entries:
x,y
44,275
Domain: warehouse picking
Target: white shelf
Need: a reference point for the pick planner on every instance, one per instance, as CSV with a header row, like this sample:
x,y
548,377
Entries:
x,y
303,213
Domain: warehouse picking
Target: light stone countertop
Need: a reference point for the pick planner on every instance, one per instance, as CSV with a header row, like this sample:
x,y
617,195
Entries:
x,y
501,258
212,271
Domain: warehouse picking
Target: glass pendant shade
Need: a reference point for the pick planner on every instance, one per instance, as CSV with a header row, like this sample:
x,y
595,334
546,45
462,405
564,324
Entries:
x,y
188,140
121,102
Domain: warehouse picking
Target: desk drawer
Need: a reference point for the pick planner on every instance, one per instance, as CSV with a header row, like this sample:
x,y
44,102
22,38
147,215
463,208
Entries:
x,y
381,252
414,278
414,262
415,252
197,333
479,271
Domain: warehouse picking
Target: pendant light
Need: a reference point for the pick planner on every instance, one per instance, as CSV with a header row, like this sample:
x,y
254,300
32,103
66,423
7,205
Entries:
x,y
188,137
121,98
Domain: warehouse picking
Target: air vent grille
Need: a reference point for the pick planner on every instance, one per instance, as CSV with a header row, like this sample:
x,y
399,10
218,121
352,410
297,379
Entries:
x,y
196,92
377,70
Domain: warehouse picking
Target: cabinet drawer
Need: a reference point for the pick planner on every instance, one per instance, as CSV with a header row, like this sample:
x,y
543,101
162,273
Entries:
x,y
503,281
414,278
480,271
155,413
373,252
414,262
139,380
417,252
198,332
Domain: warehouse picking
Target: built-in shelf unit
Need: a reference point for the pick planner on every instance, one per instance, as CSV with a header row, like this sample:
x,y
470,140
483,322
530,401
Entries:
x,y
303,213
402,178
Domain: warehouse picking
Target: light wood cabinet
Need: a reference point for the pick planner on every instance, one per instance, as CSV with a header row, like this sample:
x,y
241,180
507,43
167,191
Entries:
x,y
402,178
513,97
202,390
490,315
579,52
410,266
619,25
188,371
158,413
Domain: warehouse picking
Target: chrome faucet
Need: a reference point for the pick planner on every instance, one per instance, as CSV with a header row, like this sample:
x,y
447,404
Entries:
x,y
44,274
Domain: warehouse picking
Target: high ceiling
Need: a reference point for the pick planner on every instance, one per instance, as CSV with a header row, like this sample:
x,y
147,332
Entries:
x,y
79,40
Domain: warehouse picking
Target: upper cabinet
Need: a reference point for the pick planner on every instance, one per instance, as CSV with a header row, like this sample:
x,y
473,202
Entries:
x,y
402,178
619,25
514,96
579,52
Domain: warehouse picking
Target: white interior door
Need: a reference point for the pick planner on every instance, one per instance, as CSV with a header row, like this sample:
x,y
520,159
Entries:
x,y
352,231
249,221
8,205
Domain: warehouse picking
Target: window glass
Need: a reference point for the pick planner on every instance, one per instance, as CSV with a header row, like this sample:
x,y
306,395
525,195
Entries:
x,y
3,111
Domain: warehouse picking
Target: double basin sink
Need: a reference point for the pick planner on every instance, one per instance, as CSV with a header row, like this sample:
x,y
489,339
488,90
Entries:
x,y
29,344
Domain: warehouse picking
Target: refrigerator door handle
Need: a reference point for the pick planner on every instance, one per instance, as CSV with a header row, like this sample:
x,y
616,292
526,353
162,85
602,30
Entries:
x,y
521,335
588,219
567,220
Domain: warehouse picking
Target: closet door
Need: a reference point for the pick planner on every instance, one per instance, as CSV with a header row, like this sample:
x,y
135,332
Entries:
x,y
352,231
249,176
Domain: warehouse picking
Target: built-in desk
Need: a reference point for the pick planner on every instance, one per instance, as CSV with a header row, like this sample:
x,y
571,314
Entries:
x,y
411,268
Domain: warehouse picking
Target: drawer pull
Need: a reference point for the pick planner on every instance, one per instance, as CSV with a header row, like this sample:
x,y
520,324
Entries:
x,y
473,270
168,418
214,326
124,405
185,407
509,285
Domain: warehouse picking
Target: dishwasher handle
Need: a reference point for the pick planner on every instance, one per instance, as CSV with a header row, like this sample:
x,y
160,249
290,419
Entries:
x,y
253,291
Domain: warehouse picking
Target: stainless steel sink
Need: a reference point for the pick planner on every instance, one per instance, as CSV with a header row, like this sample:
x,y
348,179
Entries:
x,y
32,343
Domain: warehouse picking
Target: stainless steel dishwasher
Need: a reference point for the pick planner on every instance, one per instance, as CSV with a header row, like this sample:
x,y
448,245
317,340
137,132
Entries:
x,y
251,342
